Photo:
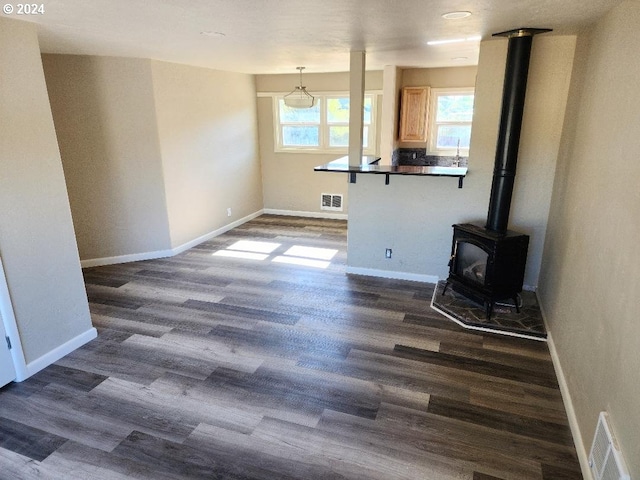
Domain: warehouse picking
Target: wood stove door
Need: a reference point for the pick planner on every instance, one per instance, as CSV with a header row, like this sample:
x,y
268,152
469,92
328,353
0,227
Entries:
x,y
471,262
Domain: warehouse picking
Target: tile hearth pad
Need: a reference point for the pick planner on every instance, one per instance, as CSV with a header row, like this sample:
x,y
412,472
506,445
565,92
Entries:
x,y
504,320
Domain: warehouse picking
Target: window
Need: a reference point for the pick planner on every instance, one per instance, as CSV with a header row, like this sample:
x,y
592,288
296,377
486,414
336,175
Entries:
x,y
324,128
450,116
299,127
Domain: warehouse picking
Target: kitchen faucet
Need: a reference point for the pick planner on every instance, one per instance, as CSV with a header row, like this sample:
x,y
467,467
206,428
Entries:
x,y
456,162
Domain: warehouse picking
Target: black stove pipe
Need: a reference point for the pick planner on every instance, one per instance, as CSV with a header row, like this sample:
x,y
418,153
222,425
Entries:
x,y
513,94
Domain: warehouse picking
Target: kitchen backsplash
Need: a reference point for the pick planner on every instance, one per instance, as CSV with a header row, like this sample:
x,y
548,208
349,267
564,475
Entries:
x,y
417,156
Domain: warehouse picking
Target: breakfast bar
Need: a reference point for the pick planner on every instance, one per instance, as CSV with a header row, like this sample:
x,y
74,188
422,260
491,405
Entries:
x,y
370,165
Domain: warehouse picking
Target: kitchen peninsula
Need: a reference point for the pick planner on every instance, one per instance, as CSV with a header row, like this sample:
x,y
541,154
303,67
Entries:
x,y
411,216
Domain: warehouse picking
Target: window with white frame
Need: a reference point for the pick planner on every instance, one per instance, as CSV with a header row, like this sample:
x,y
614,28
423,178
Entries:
x,y
450,116
323,128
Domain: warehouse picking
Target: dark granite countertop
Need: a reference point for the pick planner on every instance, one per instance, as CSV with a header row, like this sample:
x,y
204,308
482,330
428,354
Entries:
x,y
342,164
369,164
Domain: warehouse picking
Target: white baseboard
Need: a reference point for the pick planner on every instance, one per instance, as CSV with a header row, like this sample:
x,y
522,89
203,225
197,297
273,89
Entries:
x,y
57,353
215,233
137,257
583,455
372,272
415,277
293,213
134,257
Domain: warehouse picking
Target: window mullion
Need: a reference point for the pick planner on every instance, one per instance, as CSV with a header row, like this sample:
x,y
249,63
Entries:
x,y
324,127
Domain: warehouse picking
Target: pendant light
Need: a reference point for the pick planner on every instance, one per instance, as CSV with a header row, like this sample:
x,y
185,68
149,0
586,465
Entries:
x,y
299,97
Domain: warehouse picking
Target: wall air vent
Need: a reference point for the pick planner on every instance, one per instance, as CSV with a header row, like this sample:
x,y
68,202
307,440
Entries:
x,y
331,201
605,458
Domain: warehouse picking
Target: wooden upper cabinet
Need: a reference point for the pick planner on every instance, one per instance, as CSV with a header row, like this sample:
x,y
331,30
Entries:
x,y
413,114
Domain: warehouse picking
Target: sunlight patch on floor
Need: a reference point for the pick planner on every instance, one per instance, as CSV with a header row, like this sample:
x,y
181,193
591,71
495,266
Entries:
x,y
295,255
311,252
253,246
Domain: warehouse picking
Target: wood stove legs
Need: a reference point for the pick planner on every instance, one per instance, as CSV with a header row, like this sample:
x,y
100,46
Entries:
x,y
488,303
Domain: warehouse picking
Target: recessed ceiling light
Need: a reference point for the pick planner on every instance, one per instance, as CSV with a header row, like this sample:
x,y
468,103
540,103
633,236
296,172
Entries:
x,y
456,15
459,59
211,33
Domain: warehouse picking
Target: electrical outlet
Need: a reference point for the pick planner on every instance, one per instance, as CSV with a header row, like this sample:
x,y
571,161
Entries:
x,y
229,212
387,253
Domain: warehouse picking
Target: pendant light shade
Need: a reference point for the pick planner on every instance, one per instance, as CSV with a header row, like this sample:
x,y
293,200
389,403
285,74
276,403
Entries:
x,y
299,97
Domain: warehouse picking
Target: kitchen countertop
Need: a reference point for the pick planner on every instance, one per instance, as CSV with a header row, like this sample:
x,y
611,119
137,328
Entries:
x,y
369,165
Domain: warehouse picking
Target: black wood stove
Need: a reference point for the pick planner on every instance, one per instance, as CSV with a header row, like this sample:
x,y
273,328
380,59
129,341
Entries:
x,y
487,266
488,262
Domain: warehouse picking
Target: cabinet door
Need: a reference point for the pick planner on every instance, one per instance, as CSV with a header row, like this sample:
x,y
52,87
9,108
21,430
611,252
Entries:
x,y
413,114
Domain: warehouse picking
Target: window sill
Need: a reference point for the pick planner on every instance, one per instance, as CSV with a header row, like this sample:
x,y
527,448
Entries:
x,y
318,152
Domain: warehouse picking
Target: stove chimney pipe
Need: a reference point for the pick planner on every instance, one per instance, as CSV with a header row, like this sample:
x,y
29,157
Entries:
x,y
513,93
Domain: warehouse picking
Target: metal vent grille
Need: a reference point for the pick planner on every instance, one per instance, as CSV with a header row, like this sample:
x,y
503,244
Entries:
x,y
331,201
605,458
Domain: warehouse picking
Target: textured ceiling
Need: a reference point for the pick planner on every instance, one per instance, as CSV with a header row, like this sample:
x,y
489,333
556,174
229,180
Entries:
x,y
275,36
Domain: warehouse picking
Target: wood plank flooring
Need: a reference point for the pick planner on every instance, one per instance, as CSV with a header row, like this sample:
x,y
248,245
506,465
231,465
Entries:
x,y
217,367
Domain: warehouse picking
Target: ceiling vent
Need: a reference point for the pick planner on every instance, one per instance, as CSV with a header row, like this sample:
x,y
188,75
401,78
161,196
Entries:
x,y
605,459
331,201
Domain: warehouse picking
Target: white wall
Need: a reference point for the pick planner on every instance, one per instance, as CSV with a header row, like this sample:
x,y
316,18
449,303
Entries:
x,y
37,242
208,134
104,113
153,153
590,282
413,215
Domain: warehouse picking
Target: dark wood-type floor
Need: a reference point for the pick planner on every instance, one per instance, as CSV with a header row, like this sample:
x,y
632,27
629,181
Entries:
x,y
217,367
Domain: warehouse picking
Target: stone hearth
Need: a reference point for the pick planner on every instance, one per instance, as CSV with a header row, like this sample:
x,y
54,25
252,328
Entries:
x,y
504,320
